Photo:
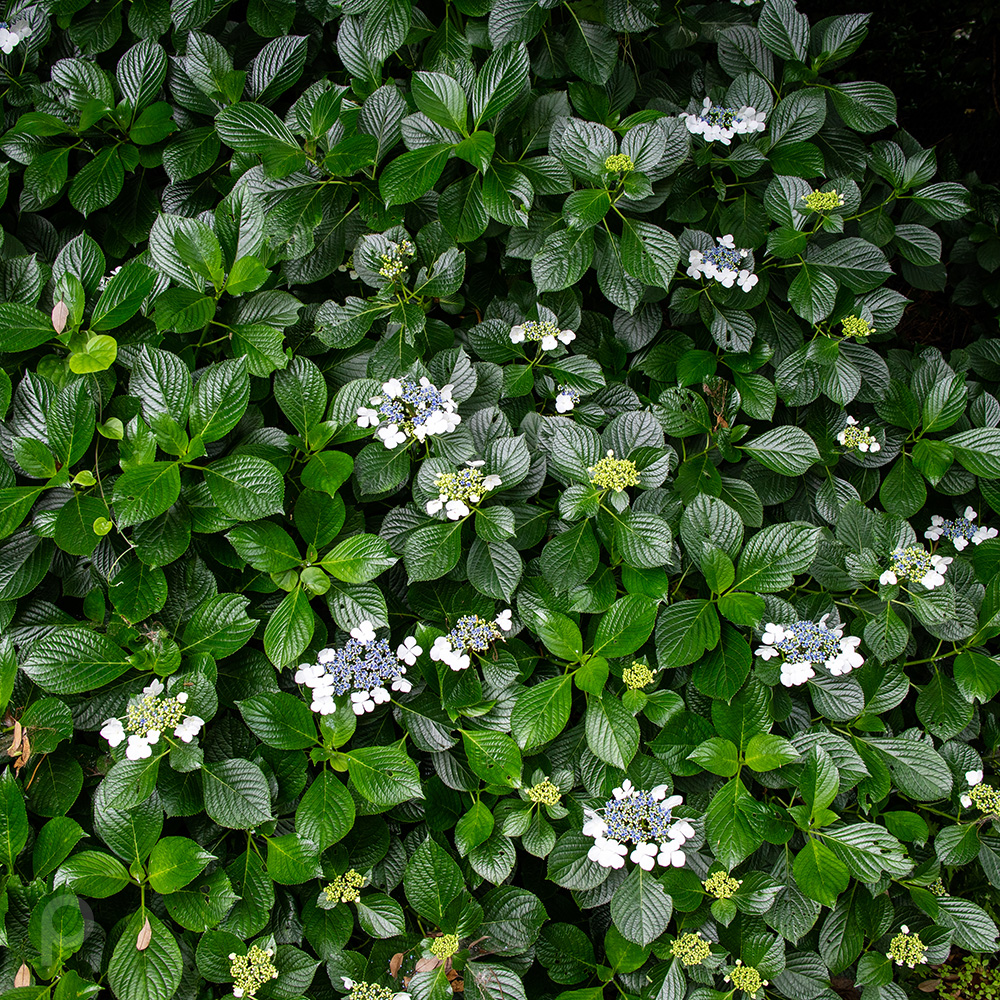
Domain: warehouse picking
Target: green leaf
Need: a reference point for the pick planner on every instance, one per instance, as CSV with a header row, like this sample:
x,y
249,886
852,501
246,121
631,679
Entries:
x,y
503,76
413,174
441,98
280,720
386,776
819,873
13,820
289,628
864,106
724,669
978,450
236,794
359,559
612,732
431,881
174,862
325,814
245,487
142,493
493,756
684,631
153,973
70,660
774,555
625,626
641,908
563,259
541,712
787,450
649,253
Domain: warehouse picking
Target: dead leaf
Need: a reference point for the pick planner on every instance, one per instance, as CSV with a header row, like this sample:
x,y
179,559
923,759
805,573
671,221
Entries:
x,y
144,937
395,963
426,964
60,314
23,976
929,985
15,740
25,753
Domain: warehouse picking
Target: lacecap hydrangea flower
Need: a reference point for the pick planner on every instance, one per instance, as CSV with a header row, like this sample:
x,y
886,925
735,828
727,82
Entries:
x,y
394,263
907,949
914,563
362,668
691,948
470,633
345,888
984,797
147,717
11,35
456,490
566,399
370,991
721,885
959,531
251,971
619,163
638,676
719,124
410,411
855,326
854,437
546,333
745,978
723,264
805,645
643,820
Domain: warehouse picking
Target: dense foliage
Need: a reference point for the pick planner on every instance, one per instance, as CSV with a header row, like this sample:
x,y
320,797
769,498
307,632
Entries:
x,y
468,525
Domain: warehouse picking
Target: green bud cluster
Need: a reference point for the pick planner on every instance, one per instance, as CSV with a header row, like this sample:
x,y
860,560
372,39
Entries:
x,y
823,201
444,946
545,793
721,885
691,949
907,949
855,326
251,971
345,888
637,676
745,977
612,473
619,163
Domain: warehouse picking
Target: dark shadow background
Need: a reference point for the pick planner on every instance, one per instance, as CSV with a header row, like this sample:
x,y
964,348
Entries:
x,y
940,59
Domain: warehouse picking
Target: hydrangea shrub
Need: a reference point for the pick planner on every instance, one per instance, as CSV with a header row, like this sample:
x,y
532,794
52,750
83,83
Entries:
x,y
468,526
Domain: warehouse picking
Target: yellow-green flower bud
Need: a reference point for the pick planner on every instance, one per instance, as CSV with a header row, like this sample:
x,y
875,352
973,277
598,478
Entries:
x,y
545,793
823,201
907,949
720,885
691,949
855,326
612,473
745,977
637,676
444,946
345,888
251,971
619,163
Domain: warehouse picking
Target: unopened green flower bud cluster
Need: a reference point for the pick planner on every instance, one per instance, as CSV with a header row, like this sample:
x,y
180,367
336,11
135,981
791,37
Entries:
x,y
251,971
907,949
370,991
823,201
721,885
444,946
545,793
619,163
637,676
745,977
986,799
345,888
612,473
691,949
395,262
855,326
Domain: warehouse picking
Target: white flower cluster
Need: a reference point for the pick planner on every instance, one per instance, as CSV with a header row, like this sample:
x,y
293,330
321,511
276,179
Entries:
x,y
12,34
959,531
410,410
973,778
642,819
546,333
363,667
723,263
914,563
720,124
854,437
470,633
103,283
459,489
147,717
566,399
807,644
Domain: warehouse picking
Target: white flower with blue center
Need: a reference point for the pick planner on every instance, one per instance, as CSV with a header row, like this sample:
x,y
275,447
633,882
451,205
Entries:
x,y
959,531
410,411
470,634
805,645
363,668
916,564
566,399
722,263
719,124
642,820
